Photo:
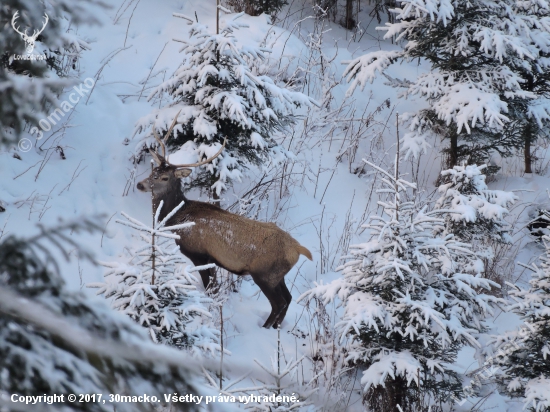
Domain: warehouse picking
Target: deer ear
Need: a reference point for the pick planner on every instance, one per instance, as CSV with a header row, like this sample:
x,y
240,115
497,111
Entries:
x,y
159,160
180,173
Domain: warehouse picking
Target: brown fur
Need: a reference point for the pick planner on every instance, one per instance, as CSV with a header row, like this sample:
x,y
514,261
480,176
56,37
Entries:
x,y
240,245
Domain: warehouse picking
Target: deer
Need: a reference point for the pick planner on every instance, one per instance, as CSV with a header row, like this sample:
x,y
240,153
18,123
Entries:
x,y
233,242
29,40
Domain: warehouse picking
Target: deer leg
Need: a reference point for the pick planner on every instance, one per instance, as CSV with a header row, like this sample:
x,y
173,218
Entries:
x,y
283,290
208,274
205,274
275,299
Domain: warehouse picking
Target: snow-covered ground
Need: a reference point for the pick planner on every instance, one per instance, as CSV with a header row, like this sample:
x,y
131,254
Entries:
x,y
322,202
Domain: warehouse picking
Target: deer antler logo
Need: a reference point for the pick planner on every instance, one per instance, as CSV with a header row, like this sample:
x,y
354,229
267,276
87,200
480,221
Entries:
x,y
30,40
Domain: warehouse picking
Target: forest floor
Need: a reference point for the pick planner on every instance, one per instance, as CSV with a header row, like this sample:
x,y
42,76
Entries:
x,y
327,194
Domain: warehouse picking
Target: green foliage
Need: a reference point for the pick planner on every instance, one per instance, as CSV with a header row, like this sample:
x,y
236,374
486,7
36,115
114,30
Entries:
x,y
266,6
523,356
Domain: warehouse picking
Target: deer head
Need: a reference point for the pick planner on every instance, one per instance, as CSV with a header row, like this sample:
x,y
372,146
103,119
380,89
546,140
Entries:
x,y
235,243
30,40
165,176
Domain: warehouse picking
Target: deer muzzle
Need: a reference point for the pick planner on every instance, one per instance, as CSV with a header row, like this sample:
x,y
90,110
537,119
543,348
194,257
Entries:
x,y
143,186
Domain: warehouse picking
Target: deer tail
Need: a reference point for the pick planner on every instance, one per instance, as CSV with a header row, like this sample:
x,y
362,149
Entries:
x,y
304,251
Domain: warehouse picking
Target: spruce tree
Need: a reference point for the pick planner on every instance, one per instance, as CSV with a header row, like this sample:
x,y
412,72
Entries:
x,y
257,7
154,285
523,356
221,94
282,383
531,117
475,213
412,297
475,88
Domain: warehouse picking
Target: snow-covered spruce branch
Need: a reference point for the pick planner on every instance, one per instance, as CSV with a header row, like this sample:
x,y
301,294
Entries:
x,y
154,285
362,70
411,297
488,83
522,356
221,94
159,228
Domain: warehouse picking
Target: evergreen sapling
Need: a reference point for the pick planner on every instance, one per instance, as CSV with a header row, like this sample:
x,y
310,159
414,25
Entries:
x,y
475,214
154,286
57,341
282,393
524,354
412,297
221,95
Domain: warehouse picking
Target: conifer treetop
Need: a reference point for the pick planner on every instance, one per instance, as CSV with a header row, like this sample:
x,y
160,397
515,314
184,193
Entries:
x,y
165,296
223,91
411,295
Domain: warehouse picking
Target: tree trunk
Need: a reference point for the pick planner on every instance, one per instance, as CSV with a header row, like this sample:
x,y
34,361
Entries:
x,y
350,22
386,399
453,150
528,132
527,148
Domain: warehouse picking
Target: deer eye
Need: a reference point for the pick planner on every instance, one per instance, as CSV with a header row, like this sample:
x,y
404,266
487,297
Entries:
x,y
164,178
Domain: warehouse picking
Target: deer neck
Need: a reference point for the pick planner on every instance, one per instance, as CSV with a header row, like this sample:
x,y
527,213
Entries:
x,y
171,198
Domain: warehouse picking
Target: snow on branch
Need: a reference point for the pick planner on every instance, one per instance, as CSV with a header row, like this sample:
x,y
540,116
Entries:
x,y
537,394
414,144
540,111
81,340
155,287
441,11
362,70
411,296
466,105
183,16
391,365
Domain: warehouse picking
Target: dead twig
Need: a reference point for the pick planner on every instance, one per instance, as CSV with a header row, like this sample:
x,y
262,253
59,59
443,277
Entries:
x,y
151,71
75,175
105,228
129,21
107,60
44,208
21,174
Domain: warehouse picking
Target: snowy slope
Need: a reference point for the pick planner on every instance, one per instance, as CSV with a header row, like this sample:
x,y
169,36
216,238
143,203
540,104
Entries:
x,y
132,55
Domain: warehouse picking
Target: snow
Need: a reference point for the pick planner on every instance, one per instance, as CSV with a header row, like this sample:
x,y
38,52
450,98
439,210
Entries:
x,y
314,212
363,69
403,363
537,394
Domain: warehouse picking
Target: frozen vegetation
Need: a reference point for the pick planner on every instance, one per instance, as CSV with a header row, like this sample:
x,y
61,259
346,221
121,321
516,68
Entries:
x,y
403,142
